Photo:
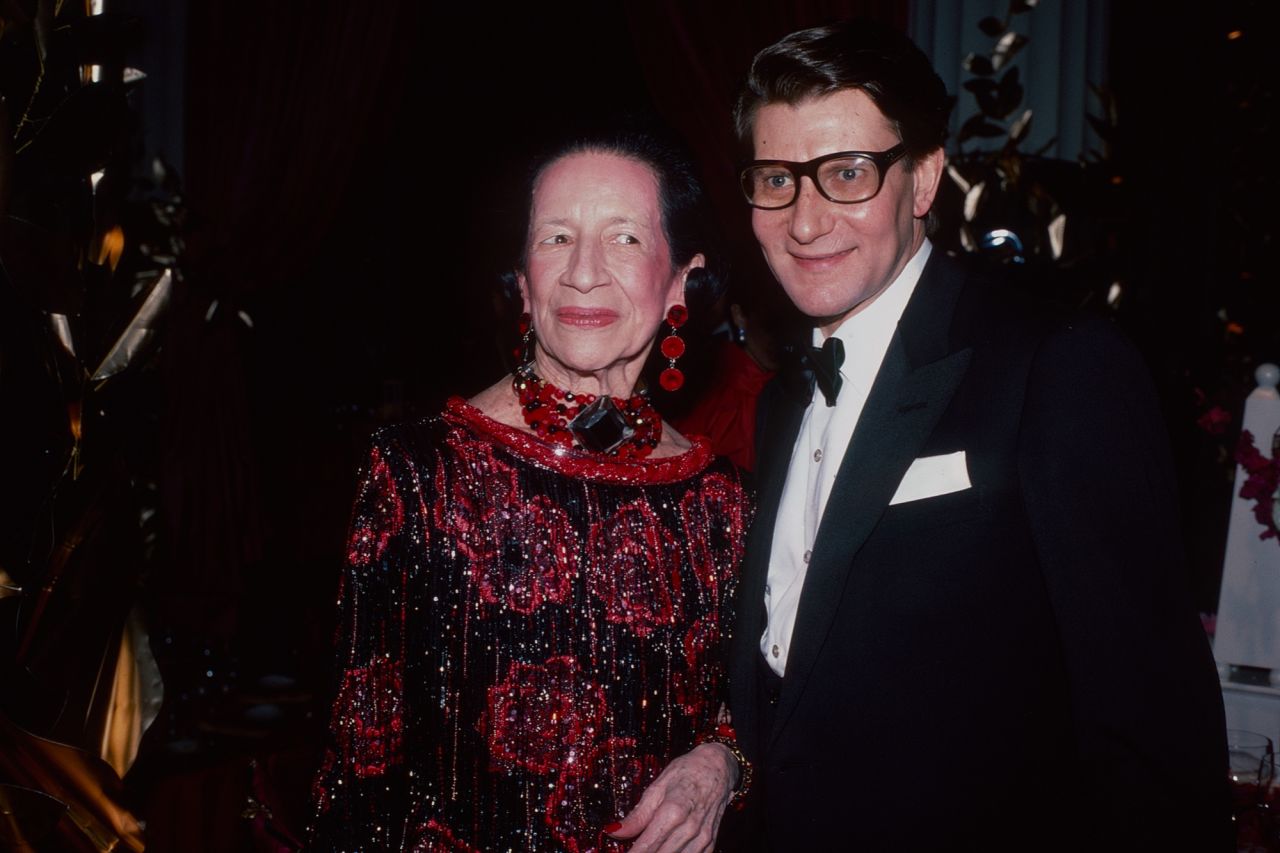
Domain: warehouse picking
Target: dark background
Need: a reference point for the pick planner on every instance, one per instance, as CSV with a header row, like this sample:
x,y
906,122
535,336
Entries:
x,y
352,176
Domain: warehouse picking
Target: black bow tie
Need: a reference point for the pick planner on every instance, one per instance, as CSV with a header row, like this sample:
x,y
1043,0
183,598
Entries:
x,y
825,363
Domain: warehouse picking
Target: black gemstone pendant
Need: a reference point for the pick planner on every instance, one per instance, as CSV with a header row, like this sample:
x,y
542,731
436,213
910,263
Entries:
x,y
600,427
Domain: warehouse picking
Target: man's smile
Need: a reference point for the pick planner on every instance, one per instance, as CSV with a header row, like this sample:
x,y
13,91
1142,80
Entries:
x,y
818,263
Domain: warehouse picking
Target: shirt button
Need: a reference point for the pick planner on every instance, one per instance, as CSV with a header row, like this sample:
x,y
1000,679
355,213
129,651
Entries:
x,y
817,455
776,651
807,555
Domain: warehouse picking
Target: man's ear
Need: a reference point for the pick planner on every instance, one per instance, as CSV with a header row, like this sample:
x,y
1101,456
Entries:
x,y
927,175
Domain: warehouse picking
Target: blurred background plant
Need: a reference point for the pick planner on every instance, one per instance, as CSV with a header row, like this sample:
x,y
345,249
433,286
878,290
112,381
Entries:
x,y
90,253
1017,207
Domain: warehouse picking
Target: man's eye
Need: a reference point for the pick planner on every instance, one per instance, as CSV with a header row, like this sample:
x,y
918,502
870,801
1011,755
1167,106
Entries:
x,y
556,240
847,171
628,240
777,181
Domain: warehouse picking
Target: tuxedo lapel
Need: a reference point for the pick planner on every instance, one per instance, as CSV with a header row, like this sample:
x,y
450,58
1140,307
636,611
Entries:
x,y
912,389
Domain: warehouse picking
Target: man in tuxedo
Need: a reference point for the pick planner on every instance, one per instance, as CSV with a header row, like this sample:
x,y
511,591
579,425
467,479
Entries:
x,y
963,622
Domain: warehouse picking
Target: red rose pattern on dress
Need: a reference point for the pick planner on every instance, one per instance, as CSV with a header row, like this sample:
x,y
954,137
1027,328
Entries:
x,y
633,567
579,807
542,716
714,521
490,483
527,555
379,514
433,837
373,740
701,640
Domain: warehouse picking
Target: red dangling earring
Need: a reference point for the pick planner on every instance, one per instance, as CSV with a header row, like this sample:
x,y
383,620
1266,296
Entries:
x,y
672,379
524,353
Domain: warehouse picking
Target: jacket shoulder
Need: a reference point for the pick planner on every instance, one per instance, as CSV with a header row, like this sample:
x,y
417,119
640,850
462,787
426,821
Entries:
x,y
1005,312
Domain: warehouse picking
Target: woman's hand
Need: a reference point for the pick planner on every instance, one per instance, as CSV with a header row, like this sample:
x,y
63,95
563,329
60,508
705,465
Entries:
x,y
681,809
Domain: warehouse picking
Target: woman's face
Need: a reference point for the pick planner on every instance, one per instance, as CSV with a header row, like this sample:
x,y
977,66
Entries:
x,y
598,278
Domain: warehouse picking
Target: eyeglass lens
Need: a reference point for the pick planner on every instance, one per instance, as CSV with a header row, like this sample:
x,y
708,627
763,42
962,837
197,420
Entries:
x,y
843,179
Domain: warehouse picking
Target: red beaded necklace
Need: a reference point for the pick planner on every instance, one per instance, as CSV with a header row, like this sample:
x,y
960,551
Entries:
x,y
626,429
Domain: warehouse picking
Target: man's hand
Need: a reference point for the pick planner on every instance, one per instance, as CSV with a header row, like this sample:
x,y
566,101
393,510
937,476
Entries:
x,y
681,809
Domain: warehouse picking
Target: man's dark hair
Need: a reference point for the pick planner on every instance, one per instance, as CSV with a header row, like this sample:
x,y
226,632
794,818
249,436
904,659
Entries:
x,y
864,55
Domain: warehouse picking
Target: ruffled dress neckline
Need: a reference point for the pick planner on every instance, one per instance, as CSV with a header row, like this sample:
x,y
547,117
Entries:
x,y
590,466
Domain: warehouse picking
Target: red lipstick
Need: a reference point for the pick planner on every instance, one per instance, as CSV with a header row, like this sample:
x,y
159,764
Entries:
x,y
587,318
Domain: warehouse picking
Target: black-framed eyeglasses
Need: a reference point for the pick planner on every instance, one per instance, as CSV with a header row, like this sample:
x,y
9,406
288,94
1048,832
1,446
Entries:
x,y
845,177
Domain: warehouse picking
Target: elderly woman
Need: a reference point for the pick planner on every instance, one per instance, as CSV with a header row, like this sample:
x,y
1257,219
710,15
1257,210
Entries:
x,y
532,610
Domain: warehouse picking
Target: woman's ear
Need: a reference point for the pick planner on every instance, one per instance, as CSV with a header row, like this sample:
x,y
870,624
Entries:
x,y
680,286
513,288
522,287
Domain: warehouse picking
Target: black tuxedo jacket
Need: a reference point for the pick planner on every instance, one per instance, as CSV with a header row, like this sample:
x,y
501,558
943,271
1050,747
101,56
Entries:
x,y
1012,666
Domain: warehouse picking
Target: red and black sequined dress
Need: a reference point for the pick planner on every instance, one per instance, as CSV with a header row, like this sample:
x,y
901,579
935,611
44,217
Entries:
x,y
526,637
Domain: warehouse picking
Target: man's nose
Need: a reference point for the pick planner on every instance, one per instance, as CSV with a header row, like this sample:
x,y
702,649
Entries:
x,y
586,270
810,214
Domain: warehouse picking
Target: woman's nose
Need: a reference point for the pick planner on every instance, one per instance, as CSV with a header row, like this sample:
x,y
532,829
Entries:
x,y
586,269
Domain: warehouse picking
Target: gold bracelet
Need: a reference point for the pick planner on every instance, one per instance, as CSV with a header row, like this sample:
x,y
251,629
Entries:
x,y
729,742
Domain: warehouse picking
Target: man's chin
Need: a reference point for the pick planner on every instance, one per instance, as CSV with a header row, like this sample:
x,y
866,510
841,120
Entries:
x,y
822,317
830,313
825,320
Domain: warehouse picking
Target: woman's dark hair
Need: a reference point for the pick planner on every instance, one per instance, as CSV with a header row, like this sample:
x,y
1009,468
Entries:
x,y
864,55
687,223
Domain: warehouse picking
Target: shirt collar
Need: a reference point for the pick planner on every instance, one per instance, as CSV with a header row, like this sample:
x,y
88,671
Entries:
x,y
866,334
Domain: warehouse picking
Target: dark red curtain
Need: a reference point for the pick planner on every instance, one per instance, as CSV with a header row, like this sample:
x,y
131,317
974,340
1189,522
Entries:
x,y
282,99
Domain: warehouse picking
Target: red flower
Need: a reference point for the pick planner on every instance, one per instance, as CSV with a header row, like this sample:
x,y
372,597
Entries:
x,y
522,555
1261,484
467,485
369,718
694,678
598,791
436,837
1214,421
543,716
634,568
379,514
714,521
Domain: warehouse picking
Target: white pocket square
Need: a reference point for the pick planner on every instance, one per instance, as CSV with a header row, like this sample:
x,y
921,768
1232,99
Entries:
x,y
930,476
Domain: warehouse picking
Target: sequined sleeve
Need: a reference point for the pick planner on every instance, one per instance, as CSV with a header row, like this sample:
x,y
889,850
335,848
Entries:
x,y
361,791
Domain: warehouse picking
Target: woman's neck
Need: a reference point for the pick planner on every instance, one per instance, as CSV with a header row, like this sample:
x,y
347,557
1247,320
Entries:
x,y
616,380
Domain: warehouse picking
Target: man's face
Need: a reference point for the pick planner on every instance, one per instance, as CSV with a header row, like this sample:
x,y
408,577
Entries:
x,y
833,259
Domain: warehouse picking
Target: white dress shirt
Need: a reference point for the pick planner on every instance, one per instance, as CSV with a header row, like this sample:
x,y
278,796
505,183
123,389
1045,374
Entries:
x,y
824,436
